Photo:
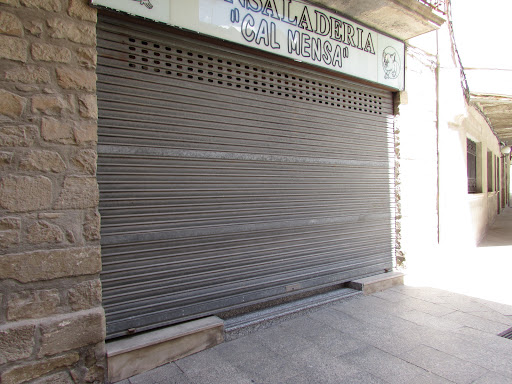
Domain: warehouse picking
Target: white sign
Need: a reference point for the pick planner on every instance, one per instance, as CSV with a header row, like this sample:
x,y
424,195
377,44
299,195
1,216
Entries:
x,y
290,28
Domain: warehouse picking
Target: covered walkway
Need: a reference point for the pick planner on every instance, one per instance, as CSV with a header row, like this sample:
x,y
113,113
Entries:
x,y
440,327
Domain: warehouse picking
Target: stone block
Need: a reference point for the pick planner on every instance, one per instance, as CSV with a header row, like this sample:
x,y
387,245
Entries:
x,y
9,232
13,48
22,373
11,105
49,105
91,228
42,232
378,283
34,27
81,10
85,295
71,331
86,133
10,223
88,106
28,75
72,31
25,193
16,342
57,378
52,53
32,304
13,3
46,5
133,355
78,193
10,24
43,161
52,264
87,57
77,79
57,131
6,158
9,238
85,161
18,136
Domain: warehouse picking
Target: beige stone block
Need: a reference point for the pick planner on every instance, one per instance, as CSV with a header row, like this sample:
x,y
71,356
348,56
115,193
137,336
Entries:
x,y
32,304
57,131
44,161
57,378
25,193
22,373
88,106
11,105
13,3
9,238
10,24
16,342
80,9
18,136
47,5
13,48
10,223
34,27
52,105
42,232
92,225
87,57
86,161
86,133
85,295
78,193
78,79
6,158
10,231
82,33
53,264
28,75
133,355
52,53
67,332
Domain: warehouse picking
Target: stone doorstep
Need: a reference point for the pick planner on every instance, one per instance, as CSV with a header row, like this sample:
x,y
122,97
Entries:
x,y
378,283
140,353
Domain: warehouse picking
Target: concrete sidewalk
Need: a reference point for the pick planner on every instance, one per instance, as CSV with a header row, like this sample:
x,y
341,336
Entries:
x,y
417,333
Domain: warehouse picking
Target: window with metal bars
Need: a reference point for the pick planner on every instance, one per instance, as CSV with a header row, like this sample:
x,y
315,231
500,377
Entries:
x,y
490,184
472,155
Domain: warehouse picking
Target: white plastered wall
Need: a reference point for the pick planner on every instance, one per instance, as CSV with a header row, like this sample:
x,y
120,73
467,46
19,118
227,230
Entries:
x,y
434,121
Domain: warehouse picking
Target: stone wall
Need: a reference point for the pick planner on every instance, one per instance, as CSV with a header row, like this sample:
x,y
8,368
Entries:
x,y
52,325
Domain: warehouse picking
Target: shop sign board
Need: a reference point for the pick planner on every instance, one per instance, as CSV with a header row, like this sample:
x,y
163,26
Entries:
x,y
292,28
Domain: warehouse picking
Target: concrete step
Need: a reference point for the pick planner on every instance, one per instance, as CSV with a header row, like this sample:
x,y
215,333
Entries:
x,y
136,354
377,283
245,324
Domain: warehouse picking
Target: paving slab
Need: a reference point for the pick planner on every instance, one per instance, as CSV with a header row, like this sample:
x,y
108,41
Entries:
x,y
384,365
471,321
444,365
166,374
494,378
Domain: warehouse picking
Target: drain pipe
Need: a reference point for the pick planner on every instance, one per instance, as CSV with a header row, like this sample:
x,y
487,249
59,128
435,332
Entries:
x,y
438,65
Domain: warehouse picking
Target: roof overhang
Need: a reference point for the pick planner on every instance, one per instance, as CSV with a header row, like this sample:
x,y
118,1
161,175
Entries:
x,y
402,19
498,110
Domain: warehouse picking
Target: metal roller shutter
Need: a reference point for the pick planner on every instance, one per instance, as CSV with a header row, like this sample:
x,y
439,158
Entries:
x,y
227,178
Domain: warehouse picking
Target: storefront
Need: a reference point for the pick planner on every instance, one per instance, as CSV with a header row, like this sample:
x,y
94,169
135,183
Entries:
x,y
241,165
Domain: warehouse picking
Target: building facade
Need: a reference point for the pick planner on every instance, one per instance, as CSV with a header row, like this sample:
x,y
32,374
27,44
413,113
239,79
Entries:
x,y
226,177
